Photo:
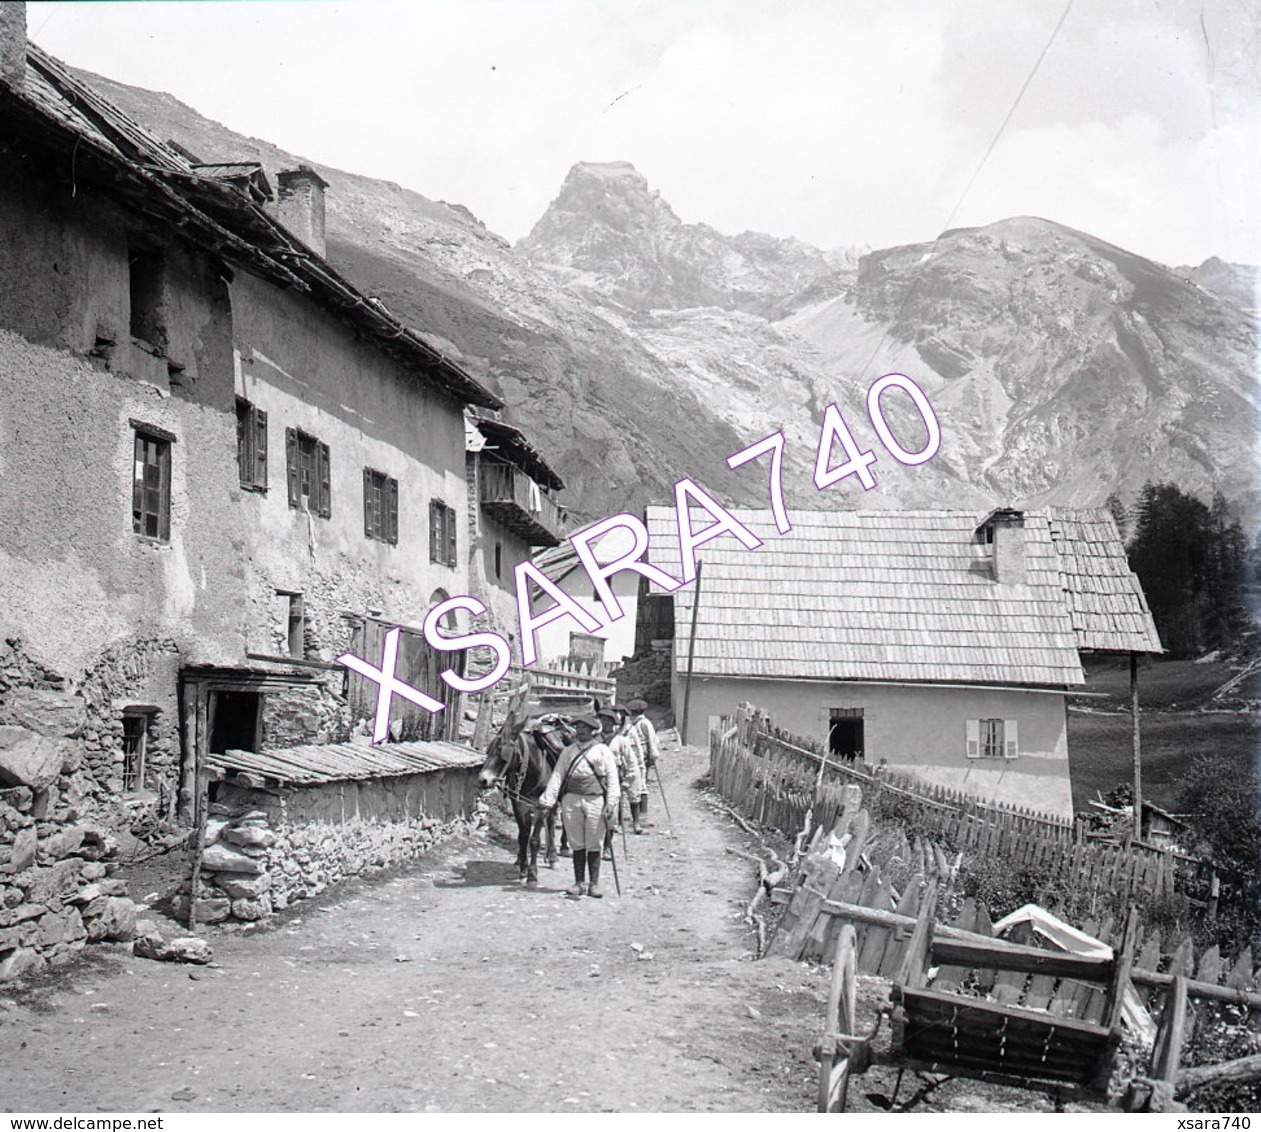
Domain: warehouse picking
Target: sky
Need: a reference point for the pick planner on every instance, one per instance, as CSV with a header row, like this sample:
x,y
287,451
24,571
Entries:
x,y
841,122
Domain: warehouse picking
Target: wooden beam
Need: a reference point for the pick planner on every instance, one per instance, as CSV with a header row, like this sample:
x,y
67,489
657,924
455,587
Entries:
x,y
1138,975
1138,749
1016,957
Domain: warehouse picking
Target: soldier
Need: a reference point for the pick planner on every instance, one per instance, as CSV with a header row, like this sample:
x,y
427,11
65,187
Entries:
x,y
585,784
630,763
642,729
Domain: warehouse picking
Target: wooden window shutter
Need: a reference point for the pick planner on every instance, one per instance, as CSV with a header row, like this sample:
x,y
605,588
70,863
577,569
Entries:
x,y
164,491
259,423
291,464
324,479
1011,740
972,731
137,479
450,536
369,505
390,507
433,531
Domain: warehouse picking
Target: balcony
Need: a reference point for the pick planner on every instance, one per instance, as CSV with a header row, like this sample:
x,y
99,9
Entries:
x,y
516,502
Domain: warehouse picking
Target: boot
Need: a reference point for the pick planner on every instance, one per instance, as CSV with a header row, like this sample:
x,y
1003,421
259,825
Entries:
x,y
643,811
593,870
608,845
635,826
580,874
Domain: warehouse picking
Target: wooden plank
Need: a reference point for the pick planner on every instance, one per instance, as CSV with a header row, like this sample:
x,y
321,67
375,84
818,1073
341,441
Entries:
x,y
871,954
1240,977
950,975
908,907
915,960
1167,1055
994,1015
1006,956
1210,968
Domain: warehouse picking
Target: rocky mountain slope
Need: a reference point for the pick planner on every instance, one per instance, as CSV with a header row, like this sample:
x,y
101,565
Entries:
x,y
636,349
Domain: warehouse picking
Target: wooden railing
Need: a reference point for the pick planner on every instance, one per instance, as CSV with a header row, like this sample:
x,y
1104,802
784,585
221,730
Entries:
x,y
504,485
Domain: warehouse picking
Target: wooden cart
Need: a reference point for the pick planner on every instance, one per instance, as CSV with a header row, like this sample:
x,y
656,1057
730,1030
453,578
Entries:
x,y
945,1031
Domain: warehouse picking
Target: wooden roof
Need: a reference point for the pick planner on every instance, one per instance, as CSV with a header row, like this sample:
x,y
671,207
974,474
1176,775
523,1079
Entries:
x,y
109,147
905,596
338,762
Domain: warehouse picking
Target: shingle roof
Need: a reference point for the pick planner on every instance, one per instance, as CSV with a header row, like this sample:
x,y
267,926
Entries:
x,y
901,595
102,141
1106,601
338,762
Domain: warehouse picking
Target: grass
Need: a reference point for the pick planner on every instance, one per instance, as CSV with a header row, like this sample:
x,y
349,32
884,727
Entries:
x,y
1178,721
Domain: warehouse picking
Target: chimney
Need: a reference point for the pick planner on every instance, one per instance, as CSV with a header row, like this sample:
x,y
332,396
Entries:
x,y
12,44
300,205
1007,529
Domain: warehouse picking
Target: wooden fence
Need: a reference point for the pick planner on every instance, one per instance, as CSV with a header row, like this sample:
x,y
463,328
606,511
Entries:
x,y
779,779
565,682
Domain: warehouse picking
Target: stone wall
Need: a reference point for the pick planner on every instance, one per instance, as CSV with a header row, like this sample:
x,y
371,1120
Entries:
x,y
266,849
55,891
646,677
256,861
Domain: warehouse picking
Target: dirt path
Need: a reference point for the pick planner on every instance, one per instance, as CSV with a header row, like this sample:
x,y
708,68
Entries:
x,y
447,987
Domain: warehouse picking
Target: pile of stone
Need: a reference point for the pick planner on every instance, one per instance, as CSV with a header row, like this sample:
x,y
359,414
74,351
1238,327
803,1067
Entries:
x,y
251,866
56,893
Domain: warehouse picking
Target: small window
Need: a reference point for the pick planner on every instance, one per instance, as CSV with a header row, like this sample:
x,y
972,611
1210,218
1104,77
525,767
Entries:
x,y
845,734
992,739
146,273
310,486
442,546
151,483
380,506
297,626
135,749
251,445
499,561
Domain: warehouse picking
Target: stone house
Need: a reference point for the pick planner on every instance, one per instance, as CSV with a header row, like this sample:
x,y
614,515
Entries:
x,y
939,643
221,465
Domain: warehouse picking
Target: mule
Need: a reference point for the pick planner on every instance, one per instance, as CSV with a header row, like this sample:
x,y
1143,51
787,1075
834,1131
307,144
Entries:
x,y
520,760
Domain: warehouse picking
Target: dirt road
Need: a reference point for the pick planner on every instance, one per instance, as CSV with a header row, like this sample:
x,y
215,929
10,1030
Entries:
x,y
447,987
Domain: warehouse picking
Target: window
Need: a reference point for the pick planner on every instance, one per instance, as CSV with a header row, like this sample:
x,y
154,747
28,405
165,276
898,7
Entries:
x,y
441,533
146,270
251,445
151,483
499,561
295,624
135,747
308,466
380,506
992,739
845,733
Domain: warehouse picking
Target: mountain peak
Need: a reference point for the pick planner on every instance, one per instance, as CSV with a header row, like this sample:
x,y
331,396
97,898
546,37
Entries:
x,y
613,237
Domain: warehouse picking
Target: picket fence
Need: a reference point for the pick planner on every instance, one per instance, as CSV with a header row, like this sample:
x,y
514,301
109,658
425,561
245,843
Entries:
x,y
778,779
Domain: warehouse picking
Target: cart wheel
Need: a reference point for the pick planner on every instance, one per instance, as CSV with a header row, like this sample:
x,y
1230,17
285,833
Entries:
x,y
839,1019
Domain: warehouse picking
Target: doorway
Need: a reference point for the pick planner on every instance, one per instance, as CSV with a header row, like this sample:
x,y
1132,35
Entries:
x,y
845,734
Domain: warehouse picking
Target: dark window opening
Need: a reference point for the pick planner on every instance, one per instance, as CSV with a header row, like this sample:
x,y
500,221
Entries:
x,y
845,734
308,463
297,626
380,506
135,749
499,561
235,718
151,486
251,445
146,272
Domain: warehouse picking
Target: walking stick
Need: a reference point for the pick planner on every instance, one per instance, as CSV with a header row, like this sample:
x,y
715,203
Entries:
x,y
663,795
613,861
